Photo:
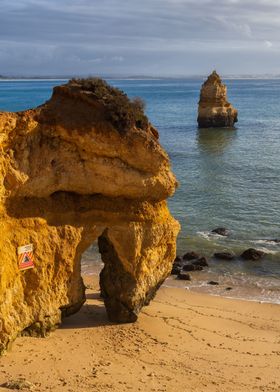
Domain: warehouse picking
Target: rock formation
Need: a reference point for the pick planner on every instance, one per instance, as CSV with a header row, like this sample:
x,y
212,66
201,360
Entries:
x,y
214,110
85,166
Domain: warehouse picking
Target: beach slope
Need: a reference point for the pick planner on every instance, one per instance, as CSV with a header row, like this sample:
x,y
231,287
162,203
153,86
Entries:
x,y
182,342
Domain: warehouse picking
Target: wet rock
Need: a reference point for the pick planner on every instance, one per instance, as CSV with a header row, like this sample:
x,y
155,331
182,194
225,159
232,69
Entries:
x,y
213,283
191,256
191,267
183,276
202,261
221,231
176,270
224,255
214,110
178,264
252,254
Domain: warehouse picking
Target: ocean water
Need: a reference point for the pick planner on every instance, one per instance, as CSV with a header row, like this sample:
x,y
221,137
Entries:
x,y
228,177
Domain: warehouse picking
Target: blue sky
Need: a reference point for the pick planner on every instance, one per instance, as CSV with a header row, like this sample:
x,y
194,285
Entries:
x,y
133,37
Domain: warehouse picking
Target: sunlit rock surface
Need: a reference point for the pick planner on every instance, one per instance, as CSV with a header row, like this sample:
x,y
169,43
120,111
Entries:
x,y
214,110
75,170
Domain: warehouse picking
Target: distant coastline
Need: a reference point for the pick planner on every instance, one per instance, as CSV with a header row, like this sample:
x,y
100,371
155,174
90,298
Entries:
x,y
139,77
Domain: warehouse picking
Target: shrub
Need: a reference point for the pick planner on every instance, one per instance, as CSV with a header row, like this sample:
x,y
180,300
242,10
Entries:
x,y
121,112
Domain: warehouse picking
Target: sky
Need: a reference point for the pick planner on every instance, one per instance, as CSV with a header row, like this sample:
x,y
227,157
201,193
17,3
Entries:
x,y
139,37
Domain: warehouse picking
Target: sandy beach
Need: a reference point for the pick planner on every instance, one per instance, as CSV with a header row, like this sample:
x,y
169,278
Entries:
x,y
182,342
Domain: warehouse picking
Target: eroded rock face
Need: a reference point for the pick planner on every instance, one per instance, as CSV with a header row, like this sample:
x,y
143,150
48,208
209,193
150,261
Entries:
x,y
70,176
214,110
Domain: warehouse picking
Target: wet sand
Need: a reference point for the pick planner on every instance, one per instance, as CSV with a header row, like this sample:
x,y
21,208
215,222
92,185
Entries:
x,y
233,283
183,341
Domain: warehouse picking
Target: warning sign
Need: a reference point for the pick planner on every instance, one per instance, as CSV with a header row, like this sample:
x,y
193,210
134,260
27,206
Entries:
x,y
25,257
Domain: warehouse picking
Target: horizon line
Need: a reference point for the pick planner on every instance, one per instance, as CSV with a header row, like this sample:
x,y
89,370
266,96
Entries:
x,y
137,76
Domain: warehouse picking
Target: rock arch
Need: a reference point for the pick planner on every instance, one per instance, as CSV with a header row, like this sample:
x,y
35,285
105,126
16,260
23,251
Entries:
x,y
69,177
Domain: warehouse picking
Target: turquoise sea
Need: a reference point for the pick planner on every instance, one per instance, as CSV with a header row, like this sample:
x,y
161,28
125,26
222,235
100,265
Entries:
x,y
228,178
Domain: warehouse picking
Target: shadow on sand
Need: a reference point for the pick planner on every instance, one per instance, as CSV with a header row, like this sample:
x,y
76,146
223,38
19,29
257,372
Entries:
x,y
90,315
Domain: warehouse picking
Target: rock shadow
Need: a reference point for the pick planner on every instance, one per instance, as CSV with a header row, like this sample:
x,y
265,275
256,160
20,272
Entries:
x,y
89,316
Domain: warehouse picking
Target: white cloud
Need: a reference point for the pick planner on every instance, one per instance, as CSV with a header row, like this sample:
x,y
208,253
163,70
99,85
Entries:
x,y
268,44
119,59
91,34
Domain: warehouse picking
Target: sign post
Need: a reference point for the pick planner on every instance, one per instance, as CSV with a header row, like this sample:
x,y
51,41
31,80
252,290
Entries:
x,y
25,257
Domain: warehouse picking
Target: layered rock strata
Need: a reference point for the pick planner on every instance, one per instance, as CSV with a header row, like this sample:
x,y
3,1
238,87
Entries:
x,y
214,110
78,169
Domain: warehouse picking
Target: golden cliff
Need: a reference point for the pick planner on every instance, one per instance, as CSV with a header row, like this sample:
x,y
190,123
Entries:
x,y
214,110
85,166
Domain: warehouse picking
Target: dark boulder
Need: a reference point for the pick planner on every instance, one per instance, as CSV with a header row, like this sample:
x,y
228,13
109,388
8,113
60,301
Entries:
x,y
178,259
213,283
191,267
176,270
182,276
224,255
191,256
202,261
221,231
252,254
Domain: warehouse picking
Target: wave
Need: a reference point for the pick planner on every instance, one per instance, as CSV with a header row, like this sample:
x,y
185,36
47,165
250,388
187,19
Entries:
x,y
268,242
268,251
235,286
208,235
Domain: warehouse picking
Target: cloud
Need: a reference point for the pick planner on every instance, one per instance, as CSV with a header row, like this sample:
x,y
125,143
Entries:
x,y
113,36
268,44
119,59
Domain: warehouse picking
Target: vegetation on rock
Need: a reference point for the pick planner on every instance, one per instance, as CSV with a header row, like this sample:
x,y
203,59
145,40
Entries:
x,y
122,112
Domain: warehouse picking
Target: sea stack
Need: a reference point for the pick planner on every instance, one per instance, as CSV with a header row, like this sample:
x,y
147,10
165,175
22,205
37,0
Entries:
x,y
86,166
214,110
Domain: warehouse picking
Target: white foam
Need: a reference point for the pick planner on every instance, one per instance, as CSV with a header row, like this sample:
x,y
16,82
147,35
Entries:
x,y
266,242
263,298
208,235
249,299
268,251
